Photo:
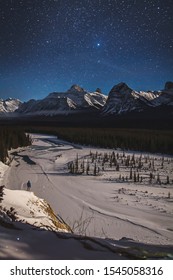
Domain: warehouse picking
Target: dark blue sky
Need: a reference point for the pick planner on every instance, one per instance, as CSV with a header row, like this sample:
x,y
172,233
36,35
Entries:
x,y
48,45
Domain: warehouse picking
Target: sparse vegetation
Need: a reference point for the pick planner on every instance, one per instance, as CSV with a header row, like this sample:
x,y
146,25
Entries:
x,y
55,220
124,167
81,225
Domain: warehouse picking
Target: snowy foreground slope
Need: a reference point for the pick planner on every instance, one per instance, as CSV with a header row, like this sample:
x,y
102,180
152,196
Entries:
x,y
29,232
24,206
29,228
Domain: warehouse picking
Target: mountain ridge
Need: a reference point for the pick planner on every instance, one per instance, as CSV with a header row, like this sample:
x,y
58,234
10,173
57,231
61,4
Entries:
x,y
120,100
76,101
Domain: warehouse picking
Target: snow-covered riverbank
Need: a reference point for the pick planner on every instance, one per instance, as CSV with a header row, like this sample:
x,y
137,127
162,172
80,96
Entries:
x,y
89,204
93,205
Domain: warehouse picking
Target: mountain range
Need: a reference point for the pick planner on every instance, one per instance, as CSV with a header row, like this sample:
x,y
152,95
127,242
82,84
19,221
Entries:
x,y
122,99
74,100
121,102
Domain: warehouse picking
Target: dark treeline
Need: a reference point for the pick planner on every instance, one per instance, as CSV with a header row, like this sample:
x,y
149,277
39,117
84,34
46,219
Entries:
x,y
126,139
155,141
12,138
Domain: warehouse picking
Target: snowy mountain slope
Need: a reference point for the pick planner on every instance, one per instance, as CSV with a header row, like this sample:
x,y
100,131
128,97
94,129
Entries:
x,y
9,105
166,95
123,99
75,99
149,95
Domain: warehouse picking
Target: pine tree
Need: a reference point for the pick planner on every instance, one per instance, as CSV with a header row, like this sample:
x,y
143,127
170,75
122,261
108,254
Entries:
x,y
162,162
167,180
134,177
110,164
151,177
71,167
117,167
127,162
87,168
76,167
113,156
95,170
103,163
158,179
83,167
92,158
153,164
133,158
138,177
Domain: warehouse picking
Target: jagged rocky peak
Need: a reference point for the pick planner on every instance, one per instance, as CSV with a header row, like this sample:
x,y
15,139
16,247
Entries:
x,y
10,99
169,86
9,105
98,90
76,88
121,88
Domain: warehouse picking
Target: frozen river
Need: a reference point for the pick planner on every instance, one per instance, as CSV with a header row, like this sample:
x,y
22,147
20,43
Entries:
x,y
88,203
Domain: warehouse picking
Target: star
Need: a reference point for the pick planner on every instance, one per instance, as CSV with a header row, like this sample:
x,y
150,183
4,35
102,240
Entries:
x,y
56,35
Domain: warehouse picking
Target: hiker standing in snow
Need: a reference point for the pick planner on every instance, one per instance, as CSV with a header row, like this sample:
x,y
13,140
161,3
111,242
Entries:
x,y
28,185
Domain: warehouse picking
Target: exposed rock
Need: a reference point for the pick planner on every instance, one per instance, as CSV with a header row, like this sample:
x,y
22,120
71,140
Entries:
x,y
169,86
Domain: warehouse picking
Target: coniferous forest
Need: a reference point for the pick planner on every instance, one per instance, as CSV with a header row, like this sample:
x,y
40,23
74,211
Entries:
x,y
125,139
12,138
154,141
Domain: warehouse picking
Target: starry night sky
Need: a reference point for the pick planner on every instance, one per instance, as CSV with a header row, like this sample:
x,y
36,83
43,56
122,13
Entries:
x,y
48,45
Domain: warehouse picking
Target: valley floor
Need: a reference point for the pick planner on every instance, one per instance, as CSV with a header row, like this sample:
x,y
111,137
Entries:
x,y
100,206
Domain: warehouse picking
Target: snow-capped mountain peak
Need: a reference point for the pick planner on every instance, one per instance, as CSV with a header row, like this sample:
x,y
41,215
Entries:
x,y
73,100
123,99
120,100
76,89
9,105
121,88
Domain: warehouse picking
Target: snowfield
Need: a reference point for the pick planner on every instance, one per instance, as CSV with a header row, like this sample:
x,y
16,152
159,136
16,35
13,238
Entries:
x,y
103,206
